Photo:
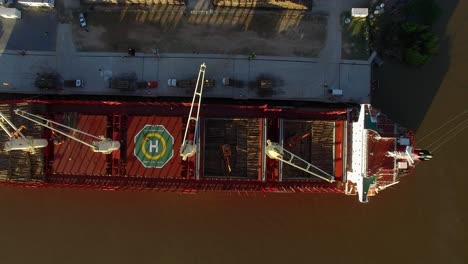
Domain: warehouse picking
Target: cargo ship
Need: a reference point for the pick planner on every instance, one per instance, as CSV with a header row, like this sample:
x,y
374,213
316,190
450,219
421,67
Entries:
x,y
223,145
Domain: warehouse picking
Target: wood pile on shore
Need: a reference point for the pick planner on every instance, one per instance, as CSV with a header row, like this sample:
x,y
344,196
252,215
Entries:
x,y
266,4
133,2
274,4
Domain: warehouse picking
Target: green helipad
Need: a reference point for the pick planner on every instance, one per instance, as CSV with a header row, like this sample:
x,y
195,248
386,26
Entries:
x,y
154,146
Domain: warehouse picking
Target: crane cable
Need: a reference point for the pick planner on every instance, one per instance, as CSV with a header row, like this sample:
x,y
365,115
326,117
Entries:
x,y
455,132
448,135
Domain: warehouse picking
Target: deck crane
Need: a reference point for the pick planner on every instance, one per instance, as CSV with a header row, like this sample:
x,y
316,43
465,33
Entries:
x,y
17,140
101,145
277,152
189,146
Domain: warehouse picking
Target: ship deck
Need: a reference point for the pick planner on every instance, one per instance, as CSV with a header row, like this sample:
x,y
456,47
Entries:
x,y
243,129
381,140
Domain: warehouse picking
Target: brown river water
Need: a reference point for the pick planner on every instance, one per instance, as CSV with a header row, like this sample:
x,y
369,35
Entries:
x,y
421,220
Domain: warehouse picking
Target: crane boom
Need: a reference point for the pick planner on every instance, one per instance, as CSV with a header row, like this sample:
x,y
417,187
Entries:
x,y
275,151
189,146
17,140
101,145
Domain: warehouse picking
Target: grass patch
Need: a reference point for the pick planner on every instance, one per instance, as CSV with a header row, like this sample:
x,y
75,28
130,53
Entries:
x,y
354,38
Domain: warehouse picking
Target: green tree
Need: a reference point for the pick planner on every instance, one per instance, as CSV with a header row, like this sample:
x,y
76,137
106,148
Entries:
x,y
419,43
415,57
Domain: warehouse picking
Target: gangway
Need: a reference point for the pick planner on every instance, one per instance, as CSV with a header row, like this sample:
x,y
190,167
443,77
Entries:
x,y
101,145
277,152
17,140
189,146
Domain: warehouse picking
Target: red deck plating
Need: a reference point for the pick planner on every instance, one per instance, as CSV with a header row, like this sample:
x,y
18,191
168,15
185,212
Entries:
x,y
72,157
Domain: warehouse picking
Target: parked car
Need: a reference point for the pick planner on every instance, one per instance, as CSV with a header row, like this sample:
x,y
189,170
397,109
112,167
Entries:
x,y
152,84
82,20
73,83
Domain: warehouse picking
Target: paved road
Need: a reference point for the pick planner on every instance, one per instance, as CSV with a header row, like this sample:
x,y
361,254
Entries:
x,y
295,78
66,51
330,56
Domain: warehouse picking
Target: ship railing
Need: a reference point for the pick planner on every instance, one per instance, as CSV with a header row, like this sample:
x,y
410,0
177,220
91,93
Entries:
x,y
177,185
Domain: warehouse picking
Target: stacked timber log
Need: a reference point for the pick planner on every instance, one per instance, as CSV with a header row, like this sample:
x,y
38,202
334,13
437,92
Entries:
x,y
4,156
242,136
214,138
247,145
20,165
322,145
314,143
